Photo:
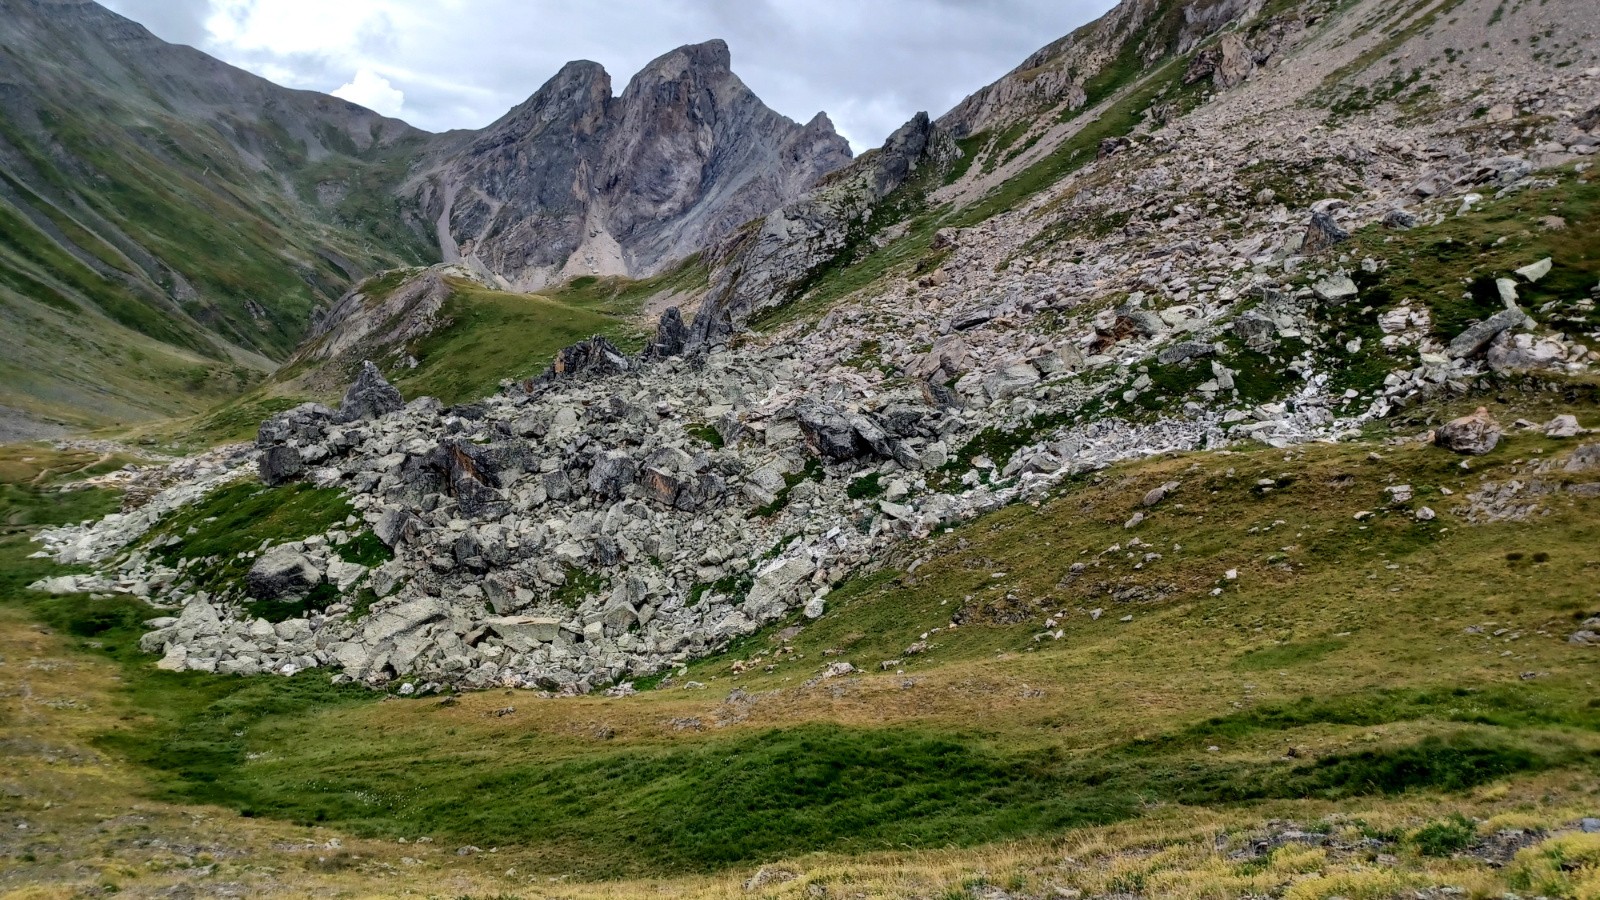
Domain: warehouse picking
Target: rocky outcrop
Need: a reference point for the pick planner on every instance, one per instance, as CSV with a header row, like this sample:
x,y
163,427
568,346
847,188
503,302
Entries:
x,y
623,185
1323,233
377,321
762,268
593,358
369,397
282,572
281,438
1228,63
292,441
672,336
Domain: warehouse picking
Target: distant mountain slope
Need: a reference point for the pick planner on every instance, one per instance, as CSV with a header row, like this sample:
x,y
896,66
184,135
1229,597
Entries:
x,y
170,224
160,210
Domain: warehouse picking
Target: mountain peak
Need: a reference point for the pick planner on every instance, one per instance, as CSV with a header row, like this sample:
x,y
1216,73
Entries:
x,y
625,184
691,61
711,55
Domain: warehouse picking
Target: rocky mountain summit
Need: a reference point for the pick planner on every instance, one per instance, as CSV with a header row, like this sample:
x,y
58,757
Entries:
x,y
578,182
1235,224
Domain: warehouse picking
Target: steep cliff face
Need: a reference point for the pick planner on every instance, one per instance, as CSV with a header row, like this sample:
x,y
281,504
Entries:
x,y
769,264
577,181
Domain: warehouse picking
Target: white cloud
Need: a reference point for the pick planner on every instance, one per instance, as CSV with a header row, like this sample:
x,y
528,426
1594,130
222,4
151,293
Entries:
x,y
373,91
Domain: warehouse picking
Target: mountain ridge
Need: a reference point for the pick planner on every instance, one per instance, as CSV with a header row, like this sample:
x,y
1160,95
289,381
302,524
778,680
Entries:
x,y
625,184
202,216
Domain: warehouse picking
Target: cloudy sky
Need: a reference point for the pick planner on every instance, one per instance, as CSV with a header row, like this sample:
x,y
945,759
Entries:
x,y
442,64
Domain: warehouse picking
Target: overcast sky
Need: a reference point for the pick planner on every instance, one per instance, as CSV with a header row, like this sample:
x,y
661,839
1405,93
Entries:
x,y
442,64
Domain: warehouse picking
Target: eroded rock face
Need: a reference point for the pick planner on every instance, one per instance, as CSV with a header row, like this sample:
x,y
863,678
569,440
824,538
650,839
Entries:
x,y
1228,64
625,184
758,269
594,357
672,336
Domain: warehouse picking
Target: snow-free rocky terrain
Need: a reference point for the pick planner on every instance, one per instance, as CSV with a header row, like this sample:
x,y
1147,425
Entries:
x,y
1220,273
1172,472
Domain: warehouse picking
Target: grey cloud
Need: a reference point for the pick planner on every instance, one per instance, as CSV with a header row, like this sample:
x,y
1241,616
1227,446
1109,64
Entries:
x,y
177,21
869,65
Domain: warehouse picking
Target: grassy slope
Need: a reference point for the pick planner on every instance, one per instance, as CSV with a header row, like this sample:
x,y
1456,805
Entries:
x,y
487,336
493,335
1342,639
87,216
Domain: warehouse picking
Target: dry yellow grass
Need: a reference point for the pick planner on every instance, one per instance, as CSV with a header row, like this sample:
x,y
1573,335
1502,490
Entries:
x,y
75,824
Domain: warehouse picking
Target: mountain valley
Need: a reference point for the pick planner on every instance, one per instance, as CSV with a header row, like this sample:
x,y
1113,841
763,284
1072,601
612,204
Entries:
x,y
1172,472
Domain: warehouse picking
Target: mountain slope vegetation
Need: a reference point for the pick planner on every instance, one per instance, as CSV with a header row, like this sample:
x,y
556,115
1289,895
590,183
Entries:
x,y
1171,473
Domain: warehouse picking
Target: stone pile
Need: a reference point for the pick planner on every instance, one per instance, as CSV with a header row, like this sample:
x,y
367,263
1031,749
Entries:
x,y
618,516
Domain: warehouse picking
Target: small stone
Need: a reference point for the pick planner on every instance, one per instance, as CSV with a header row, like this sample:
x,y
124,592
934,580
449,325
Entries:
x,y
1537,270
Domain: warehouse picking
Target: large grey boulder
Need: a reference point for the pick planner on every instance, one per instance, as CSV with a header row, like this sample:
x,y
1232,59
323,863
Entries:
x,y
776,587
829,432
282,571
280,464
1185,352
1012,381
199,619
596,357
1323,234
369,397
1477,339
524,633
467,472
1336,288
611,474
1473,435
396,526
